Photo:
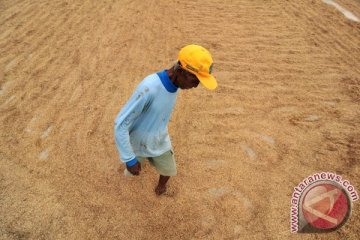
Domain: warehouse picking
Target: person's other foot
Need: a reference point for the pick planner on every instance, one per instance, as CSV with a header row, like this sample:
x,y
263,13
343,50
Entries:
x,y
160,189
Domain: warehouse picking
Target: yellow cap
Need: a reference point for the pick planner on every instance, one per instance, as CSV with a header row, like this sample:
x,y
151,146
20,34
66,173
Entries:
x,y
198,60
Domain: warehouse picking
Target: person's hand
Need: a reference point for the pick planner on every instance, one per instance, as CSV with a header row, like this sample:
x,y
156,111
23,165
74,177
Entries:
x,y
135,169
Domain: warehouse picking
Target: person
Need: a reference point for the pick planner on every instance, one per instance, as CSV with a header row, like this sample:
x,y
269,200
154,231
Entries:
x,y
141,126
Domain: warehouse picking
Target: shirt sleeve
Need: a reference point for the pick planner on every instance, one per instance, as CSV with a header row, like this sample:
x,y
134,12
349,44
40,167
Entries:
x,y
125,119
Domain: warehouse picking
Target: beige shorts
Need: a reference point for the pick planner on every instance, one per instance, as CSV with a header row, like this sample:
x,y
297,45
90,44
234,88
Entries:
x,y
164,164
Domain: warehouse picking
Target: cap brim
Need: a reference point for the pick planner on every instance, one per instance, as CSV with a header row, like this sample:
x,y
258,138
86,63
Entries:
x,y
208,82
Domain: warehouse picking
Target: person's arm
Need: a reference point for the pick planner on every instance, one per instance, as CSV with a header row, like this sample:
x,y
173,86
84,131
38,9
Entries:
x,y
123,124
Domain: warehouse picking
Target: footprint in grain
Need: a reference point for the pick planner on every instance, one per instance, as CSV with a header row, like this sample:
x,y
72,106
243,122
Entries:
x,y
249,152
267,138
244,199
238,229
10,99
215,163
46,132
44,154
208,221
312,118
218,192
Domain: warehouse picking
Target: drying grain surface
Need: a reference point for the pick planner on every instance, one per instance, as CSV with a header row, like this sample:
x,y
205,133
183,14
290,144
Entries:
x,y
287,106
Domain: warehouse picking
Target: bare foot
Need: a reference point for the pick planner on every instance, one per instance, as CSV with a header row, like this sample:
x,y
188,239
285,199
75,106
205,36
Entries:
x,y
160,189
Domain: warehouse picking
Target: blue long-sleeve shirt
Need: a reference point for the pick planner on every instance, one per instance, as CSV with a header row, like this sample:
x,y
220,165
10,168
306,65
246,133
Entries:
x,y
141,126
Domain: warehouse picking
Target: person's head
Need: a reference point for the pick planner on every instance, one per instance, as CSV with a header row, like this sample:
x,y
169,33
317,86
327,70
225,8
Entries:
x,y
194,66
184,79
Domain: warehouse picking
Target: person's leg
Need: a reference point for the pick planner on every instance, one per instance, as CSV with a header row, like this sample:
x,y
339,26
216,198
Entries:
x,y
166,167
161,187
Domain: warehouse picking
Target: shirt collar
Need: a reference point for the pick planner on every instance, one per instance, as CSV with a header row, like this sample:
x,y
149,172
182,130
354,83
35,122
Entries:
x,y
165,80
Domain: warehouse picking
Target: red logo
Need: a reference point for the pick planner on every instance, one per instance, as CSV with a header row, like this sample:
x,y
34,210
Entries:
x,y
326,206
